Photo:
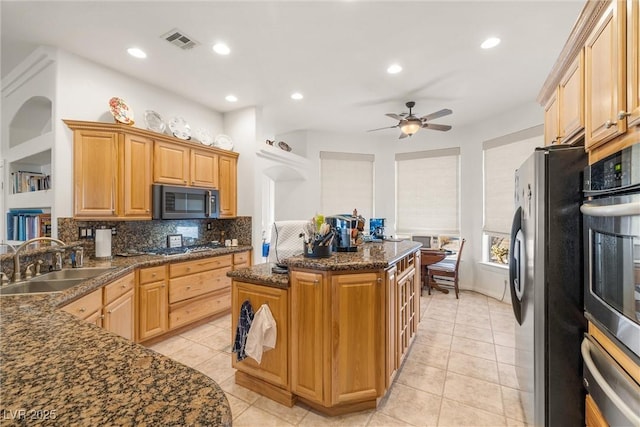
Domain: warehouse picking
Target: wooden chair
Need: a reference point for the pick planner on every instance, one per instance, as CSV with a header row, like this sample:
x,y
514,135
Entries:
x,y
444,269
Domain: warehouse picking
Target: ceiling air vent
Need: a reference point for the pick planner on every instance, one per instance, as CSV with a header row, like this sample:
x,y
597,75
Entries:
x,y
179,38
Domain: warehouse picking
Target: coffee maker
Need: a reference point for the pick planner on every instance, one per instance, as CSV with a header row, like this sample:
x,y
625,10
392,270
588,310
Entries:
x,y
376,228
345,232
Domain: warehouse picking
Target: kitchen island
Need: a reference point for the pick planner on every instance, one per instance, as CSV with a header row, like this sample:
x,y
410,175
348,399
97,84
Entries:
x,y
58,369
344,325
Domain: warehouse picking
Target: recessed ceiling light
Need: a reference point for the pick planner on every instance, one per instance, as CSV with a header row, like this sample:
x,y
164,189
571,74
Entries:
x,y
231,98
221,49
394,69
297,96
137,53
490,42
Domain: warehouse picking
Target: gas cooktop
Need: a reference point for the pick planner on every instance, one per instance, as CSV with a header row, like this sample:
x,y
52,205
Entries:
x,y
184,249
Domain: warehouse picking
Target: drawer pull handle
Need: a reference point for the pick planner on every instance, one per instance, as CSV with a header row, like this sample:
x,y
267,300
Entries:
x,y
609,124
123,286
82,310
153,274
623,114
109,312
188,287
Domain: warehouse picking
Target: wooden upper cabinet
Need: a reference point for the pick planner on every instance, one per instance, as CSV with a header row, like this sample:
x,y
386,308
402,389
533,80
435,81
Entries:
x,y
551,126
228,186
137,175
633,63
605,91
204,168
571,101
95,181
170,163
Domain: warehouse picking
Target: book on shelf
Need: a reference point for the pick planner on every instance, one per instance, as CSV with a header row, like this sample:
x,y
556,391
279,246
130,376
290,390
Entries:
x,y
25,224
25,181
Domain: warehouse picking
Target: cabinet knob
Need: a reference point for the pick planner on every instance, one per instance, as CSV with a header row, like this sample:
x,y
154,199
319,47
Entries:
x,y
123,286
609,124
153,274
379,280
316,281
82,310
163,286
109,312
188,287
185,181
623,114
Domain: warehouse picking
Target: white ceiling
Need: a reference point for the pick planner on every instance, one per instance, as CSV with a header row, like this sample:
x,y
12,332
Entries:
x,y
335,53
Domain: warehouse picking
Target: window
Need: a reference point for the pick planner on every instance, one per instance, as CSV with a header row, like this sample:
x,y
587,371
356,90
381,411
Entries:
x,y
427,192
502,156
346,183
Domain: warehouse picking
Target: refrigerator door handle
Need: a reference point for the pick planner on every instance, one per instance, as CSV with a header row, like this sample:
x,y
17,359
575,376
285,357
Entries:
x,y
516,265
617,401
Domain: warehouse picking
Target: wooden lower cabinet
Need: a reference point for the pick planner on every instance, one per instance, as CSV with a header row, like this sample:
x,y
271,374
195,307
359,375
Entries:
x,y
274,366
189,311
87,307
593,417
153,302
119,316
391,326
308,330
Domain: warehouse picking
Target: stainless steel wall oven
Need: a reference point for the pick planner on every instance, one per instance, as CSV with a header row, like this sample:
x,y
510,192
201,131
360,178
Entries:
x,y
611,219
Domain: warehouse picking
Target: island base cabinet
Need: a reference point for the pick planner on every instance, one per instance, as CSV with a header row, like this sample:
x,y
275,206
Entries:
x,y
274,366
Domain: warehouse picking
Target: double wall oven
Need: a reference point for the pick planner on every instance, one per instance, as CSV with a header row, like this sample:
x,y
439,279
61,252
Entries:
x,y
611,222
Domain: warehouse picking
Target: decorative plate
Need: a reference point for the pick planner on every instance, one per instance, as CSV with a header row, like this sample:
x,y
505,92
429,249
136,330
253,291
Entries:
x,y
284,146
224,142
204,136
180,128
154,121
121,111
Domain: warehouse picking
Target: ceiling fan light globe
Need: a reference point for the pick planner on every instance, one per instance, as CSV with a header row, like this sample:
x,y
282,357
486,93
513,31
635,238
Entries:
x,y
410,126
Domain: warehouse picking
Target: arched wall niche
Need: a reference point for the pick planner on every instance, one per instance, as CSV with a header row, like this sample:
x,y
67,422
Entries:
x,y
33,118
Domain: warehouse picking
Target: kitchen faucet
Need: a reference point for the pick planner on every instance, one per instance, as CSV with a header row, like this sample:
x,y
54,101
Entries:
x,y
16,256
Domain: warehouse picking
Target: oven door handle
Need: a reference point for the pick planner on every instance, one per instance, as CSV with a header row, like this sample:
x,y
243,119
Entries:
x,y
586,349
623,209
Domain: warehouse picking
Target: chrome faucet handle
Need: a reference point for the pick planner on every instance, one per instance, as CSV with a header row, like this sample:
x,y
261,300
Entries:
x,y
4,279
38,265
77,257
28,274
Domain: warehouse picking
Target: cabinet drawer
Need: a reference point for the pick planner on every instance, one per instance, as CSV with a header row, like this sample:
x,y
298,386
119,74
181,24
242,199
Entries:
x,y
196,266
182,288
189,311
85,306
241,258
153,274
118,288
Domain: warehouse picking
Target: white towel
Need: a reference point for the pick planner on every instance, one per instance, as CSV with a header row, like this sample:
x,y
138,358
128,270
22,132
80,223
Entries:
x,y
262,333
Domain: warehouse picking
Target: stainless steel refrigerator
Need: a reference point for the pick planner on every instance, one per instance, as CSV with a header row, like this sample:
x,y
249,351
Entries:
x,y
546,272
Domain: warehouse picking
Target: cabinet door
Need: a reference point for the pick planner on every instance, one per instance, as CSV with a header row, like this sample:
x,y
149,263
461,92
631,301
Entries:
x,y
571,100
153,310
95,318
551,121
170,163
204,168
118,316
136,176
308,328
228,186
633,63
407,319
95,173
604,78
274,365
391,326
357,348
593,416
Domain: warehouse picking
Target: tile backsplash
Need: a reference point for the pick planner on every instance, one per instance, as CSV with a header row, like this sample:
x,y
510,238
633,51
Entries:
x,y
140,235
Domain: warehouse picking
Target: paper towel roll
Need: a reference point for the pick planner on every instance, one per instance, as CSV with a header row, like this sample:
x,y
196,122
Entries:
x,y
103,243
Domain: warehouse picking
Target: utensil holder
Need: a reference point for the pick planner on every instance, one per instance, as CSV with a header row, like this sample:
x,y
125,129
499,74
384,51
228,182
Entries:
x,y
316,251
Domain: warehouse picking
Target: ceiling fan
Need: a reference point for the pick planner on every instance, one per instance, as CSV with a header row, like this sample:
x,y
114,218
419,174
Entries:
x,y
410,124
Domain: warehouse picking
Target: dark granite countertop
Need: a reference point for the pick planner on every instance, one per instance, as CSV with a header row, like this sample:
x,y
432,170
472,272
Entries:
x,y
84,375
370,256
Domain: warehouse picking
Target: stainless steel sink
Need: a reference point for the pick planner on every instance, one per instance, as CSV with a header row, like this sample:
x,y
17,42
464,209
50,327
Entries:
x,y
39,286
74,273
55,281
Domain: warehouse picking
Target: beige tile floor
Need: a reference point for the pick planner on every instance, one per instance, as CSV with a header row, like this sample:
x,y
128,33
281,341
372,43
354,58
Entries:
x,y
459,371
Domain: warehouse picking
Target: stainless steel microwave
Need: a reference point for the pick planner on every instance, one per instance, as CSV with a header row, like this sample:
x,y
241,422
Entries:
x,y
172,202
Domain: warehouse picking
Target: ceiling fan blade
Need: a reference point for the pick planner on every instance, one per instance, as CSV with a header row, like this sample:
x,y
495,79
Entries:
x,y
434,126
396,116
388,127
437,114
403,135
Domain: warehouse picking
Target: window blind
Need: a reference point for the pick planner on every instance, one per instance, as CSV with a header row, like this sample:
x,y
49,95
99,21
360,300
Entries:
x,y
427,191
346,183
502,156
